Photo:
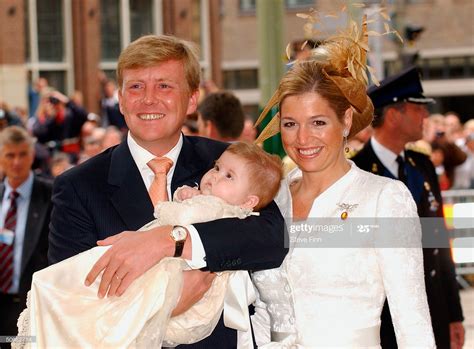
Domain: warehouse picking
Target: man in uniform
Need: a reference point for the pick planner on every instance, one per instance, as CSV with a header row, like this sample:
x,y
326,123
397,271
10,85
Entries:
x,y
400,108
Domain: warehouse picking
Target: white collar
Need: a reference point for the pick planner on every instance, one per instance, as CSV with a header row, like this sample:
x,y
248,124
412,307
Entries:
x,y
141,156
387,157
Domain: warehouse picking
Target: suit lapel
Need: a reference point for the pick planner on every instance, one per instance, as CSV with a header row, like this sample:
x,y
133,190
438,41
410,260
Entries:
x,y
129,195
190,166
37,211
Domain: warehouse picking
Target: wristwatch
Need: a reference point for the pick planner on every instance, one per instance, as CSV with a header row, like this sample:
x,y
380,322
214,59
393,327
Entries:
x,y
179,235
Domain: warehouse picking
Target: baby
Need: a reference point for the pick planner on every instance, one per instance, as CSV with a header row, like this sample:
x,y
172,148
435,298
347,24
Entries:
x,y
63,312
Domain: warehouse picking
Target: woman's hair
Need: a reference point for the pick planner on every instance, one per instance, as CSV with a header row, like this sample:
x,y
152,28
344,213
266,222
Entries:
x,y
264,170
151,50
308,77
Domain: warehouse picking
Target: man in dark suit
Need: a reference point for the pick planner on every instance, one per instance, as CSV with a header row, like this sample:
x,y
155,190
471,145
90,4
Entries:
x,y
25,210
158,78
400,110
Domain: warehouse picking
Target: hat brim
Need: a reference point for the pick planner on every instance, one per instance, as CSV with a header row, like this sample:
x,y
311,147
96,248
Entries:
x,y
420,100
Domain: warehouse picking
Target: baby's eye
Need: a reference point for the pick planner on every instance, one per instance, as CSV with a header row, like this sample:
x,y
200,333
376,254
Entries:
x,y
228,176
216,167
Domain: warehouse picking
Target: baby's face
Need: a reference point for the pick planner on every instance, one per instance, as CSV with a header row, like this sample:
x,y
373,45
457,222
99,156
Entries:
x,y
228,180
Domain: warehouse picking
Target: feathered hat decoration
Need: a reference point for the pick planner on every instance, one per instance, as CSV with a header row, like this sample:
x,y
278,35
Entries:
x,y
344,56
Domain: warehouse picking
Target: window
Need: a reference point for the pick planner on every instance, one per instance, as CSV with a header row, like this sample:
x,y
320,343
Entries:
x,y
250,5
141,19
49,42
241,79
50,30
438,68
110,29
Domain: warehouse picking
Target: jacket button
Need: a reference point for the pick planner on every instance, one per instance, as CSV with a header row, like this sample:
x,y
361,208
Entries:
x,y
433,273
435,252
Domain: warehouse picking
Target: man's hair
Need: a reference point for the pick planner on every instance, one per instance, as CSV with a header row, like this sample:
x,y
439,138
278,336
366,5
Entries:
x,y
264,170
225,111
15,135
379,113
151,50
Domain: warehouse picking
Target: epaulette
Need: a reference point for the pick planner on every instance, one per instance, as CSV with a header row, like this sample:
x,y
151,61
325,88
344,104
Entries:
x,y
419,147
351,153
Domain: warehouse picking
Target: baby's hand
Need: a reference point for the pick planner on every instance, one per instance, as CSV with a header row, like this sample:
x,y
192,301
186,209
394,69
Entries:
x,y
186,192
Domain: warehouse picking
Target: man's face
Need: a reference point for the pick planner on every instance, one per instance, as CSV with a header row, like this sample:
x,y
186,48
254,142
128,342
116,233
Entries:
x,y
410,121
16,161
155,101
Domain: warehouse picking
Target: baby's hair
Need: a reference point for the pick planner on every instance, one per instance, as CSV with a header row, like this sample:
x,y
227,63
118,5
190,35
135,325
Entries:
x,y
264,170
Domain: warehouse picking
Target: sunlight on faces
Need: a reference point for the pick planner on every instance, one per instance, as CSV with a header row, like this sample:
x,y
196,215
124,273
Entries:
x,y
16,161
312,134
155,101
229,180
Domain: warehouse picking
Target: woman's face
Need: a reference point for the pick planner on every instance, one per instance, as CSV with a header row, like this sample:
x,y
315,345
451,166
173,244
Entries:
x,y
311,132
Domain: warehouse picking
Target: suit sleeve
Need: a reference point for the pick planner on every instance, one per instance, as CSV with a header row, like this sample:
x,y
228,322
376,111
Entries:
x,y
71,227
254,243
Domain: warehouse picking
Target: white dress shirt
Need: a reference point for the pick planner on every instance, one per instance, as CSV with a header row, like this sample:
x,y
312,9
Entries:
x,y
23,203
387,157
141,156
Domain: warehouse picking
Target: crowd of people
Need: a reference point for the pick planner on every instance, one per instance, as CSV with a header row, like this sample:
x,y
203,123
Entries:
x,y
115,173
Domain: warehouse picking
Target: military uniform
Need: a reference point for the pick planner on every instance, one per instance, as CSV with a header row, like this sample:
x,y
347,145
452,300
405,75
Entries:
x,y
440,277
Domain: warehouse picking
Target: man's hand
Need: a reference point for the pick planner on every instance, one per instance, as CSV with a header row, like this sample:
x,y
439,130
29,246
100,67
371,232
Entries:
x,y
195,285
456,334
132,254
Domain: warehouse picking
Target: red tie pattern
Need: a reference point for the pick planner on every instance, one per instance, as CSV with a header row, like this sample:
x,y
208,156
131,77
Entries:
x,y
6,251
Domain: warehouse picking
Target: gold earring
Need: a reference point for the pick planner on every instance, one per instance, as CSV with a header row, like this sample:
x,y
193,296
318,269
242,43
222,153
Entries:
x,y
346,147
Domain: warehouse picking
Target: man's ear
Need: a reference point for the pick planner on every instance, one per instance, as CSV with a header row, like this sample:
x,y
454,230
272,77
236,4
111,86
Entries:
x,y
119,94
252,201
392,117
193,102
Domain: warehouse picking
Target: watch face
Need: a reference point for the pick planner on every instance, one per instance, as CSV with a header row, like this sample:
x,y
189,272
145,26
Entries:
x,y
179,233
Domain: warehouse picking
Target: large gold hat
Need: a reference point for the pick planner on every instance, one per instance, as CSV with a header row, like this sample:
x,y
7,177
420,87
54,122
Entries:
x,y
345,55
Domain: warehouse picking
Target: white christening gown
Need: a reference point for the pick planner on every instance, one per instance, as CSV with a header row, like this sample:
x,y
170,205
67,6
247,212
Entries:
x,y
63,313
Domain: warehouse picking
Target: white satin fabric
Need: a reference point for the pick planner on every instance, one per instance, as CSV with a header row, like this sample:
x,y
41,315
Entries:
x,y
62,312
333,296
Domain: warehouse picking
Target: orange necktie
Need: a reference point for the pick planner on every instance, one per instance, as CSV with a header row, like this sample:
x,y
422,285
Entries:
x,y
160,167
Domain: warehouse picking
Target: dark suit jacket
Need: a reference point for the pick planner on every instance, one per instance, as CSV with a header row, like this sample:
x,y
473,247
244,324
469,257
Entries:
x,y
106,195
440,277
35,245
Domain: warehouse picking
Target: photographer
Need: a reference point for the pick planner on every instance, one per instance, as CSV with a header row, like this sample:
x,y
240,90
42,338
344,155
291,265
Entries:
x,y
58,122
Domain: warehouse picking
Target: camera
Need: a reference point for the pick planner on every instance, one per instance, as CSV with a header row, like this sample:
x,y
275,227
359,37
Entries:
x,y
53,100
